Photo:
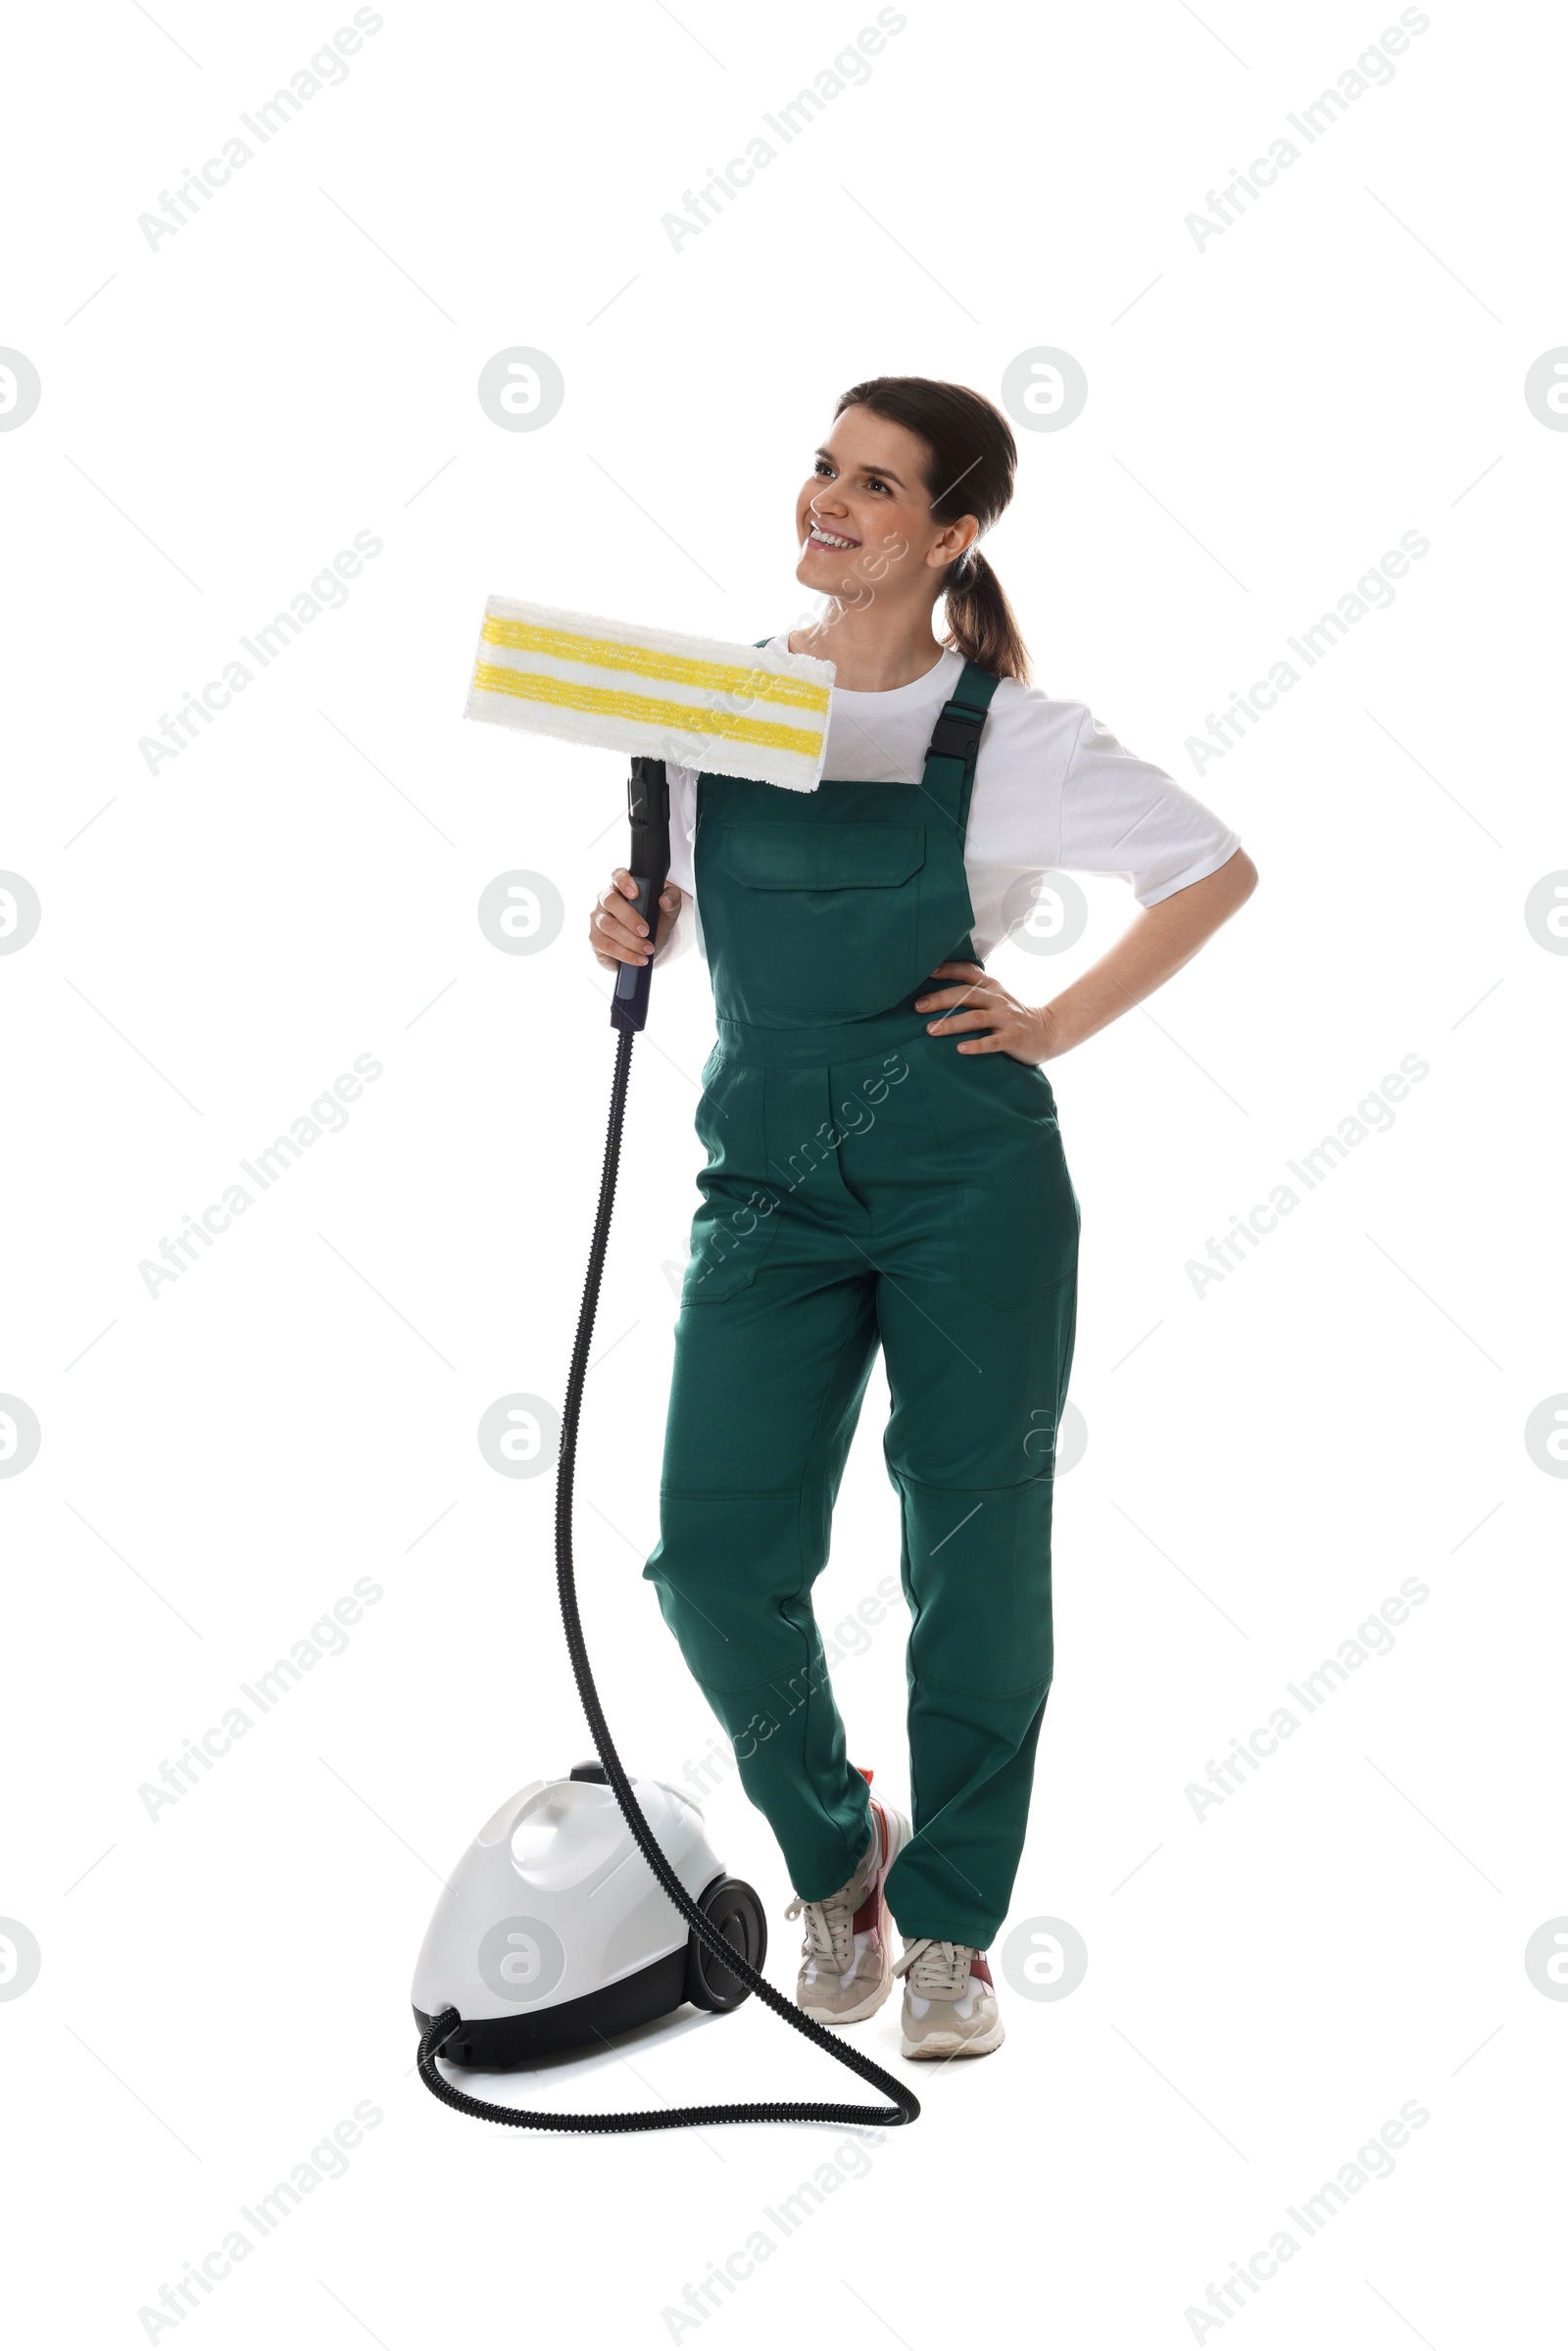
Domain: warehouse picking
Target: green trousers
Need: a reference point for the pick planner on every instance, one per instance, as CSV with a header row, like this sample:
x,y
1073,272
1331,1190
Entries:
x,y
920,1202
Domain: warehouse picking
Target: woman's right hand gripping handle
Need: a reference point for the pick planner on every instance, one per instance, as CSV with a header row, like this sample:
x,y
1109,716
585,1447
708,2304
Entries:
x,y
617,932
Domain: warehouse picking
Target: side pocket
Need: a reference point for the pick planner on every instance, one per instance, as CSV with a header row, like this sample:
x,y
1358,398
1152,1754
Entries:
x,y
1017,1210
1020,1225
735,1226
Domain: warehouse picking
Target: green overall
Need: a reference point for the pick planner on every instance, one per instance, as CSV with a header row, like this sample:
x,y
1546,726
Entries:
x,y
867,1184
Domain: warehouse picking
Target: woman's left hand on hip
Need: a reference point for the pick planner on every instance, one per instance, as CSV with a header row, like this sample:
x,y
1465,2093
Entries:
x,y
979,1002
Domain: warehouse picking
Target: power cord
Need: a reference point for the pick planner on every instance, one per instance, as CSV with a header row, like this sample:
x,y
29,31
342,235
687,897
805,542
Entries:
x,y
905,2106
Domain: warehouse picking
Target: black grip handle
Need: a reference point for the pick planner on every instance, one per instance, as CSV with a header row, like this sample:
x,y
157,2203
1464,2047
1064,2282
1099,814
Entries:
x,y
648,806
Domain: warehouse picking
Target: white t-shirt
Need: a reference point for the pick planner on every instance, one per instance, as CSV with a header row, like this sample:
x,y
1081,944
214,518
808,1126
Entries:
x,y
1053,792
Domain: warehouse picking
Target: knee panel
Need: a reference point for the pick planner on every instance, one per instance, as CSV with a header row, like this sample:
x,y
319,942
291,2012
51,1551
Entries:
x,y
977,1574
732,1584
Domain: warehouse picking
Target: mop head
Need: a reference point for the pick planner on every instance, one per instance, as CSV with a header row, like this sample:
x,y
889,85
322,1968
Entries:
x,y
729,708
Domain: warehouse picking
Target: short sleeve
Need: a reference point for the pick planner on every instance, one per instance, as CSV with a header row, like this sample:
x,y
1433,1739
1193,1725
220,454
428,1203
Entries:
x,y
1121,816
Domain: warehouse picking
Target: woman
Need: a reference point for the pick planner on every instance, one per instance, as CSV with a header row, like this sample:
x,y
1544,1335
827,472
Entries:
x,y
884,1168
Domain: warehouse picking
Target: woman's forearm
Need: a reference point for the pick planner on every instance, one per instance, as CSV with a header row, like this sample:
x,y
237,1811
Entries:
x,y
1156,943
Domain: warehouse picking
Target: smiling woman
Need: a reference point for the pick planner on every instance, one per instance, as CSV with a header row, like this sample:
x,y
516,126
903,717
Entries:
x,y
846,932
958,459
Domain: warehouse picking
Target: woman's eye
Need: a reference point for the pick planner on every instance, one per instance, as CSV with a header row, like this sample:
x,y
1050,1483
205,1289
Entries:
x,y
872,483
821,467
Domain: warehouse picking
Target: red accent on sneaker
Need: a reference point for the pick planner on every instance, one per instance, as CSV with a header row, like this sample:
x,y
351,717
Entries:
x,y
868,1917
980,1966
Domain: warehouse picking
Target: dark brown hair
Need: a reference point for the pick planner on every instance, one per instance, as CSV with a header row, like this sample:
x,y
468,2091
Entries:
x,y
970,465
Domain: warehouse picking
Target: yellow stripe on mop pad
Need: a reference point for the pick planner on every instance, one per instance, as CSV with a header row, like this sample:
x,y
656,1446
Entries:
x,y
730,709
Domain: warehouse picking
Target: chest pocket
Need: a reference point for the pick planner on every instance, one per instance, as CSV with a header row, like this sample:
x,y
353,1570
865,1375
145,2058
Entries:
x,y
825,920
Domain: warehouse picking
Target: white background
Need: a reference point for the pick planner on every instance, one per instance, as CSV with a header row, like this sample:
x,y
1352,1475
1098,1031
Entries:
x,y
1264,1464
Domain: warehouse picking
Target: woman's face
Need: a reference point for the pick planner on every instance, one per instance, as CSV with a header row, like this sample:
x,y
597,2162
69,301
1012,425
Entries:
x,y
863,516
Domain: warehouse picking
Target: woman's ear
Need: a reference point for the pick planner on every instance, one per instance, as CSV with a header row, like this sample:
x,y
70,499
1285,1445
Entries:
x,y
954,539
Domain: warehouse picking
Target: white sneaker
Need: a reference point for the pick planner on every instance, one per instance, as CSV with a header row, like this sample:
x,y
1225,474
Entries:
x,y
950,2002
847,1957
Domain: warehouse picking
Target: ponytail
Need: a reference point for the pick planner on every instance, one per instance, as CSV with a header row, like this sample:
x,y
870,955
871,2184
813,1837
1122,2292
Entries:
x,y
980,622
973,458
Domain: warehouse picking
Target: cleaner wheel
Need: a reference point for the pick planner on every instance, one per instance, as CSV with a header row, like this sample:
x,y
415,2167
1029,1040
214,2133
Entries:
x,y
737,1913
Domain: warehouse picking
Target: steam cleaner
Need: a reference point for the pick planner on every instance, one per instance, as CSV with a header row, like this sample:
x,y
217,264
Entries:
x,y
591,1901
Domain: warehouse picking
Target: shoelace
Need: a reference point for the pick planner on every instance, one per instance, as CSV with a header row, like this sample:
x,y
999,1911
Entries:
x,y
937,1971
830,1922
829,1928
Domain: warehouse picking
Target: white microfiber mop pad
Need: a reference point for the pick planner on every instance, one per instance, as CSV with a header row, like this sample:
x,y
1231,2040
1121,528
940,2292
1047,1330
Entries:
x,y
729,708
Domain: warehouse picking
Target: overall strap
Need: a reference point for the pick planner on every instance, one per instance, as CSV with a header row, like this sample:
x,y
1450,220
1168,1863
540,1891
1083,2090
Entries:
x,y
950,763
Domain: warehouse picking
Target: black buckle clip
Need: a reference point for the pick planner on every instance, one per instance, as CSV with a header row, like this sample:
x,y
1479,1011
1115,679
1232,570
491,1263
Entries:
x,y
956,734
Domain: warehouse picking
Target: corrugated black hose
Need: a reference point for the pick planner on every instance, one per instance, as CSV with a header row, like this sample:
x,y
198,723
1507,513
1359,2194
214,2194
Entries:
x,y
627,1013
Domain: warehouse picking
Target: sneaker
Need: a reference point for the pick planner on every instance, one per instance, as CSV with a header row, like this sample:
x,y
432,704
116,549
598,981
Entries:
x,y
847,1957
950,2002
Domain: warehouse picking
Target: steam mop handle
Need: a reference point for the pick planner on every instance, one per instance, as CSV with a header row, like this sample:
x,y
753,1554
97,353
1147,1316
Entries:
x,y
648,806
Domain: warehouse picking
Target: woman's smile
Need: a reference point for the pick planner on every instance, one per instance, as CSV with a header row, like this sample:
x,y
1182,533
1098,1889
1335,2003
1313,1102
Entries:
x,y
859,498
